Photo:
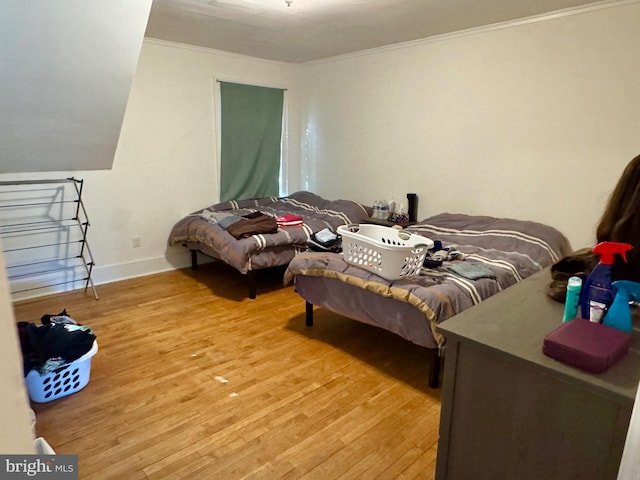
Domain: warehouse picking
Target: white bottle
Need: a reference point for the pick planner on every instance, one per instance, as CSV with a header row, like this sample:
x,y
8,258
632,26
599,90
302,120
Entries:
x,y
384,210
392,206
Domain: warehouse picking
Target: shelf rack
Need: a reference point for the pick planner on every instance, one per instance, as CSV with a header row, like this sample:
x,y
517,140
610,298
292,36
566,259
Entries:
x,y
43,226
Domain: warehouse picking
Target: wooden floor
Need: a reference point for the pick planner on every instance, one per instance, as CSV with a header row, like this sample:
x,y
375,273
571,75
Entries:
x,y
193,380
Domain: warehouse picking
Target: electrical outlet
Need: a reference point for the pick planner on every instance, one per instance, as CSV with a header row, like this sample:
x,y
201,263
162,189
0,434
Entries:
x,y
135,241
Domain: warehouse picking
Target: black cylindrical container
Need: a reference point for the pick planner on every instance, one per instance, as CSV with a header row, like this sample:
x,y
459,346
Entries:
x,y
412,199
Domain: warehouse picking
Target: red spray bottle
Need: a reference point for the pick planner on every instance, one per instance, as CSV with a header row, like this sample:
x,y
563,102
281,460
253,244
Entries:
x,y
597,293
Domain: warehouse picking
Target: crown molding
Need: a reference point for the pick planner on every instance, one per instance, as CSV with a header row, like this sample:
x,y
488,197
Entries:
x,y
478,30
212,51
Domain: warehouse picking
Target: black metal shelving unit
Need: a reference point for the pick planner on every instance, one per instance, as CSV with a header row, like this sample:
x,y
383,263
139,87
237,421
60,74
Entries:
x,y
43,226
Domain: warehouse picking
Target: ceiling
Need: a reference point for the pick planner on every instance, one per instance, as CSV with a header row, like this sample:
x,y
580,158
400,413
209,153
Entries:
x,y
313,29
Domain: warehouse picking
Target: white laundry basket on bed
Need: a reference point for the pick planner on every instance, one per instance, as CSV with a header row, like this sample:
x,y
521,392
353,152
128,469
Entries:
x,y
388,252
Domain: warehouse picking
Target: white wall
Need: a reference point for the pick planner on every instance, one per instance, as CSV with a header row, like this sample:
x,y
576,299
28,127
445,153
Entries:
x,y
165,165
17,435
66,70
630,463
534,120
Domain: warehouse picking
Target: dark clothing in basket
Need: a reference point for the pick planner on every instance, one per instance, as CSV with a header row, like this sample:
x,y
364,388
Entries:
x,y
62,343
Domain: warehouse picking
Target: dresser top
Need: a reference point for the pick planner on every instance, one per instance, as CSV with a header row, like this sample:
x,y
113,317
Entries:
x,y
514,322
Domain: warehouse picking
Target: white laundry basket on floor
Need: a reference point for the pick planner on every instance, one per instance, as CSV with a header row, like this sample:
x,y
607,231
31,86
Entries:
x,y
61,382
388,252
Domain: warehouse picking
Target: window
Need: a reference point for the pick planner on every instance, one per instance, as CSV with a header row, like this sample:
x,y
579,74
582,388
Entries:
x,y
251,119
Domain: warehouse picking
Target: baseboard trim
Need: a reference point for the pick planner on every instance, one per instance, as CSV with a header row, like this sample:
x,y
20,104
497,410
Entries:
x,y
113,273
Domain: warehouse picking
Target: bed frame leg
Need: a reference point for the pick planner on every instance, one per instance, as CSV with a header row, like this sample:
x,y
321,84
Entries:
x,y
194,259
251,277
434,367
308,319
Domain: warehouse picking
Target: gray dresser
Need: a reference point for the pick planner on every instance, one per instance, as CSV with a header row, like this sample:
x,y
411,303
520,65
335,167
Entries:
x,y
511,413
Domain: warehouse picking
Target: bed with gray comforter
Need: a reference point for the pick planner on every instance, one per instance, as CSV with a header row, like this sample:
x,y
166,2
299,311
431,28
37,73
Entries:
x,y
206,231
507,250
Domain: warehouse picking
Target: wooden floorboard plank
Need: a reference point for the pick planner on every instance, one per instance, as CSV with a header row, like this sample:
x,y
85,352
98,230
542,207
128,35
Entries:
x,y
422,467
401,464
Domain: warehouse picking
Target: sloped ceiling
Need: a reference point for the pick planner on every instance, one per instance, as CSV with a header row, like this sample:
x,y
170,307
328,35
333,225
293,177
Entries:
x,y
66,69
313,29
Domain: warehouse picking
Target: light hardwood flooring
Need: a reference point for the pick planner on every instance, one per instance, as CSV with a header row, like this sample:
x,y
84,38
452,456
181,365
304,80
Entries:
x,y
194,380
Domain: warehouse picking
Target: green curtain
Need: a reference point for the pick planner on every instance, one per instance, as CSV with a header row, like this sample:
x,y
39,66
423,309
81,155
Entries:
x,y
251,131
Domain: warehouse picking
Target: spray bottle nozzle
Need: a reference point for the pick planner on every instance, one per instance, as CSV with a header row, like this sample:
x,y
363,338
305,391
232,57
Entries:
x,y
607,250
628,289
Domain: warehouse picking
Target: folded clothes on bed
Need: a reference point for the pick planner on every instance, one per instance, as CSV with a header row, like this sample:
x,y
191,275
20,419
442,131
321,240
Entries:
x,y
471,270
257,224
288,217
215,217
289,220
228,221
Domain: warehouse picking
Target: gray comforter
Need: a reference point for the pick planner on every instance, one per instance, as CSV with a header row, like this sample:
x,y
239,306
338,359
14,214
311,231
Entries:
x,y
510,249
203,226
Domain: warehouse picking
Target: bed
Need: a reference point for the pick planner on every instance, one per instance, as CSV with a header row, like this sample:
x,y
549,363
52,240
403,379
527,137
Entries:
x,y
206,232
507,250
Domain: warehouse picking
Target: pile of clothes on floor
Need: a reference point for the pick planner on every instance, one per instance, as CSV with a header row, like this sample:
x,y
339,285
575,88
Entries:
x,y
57,342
